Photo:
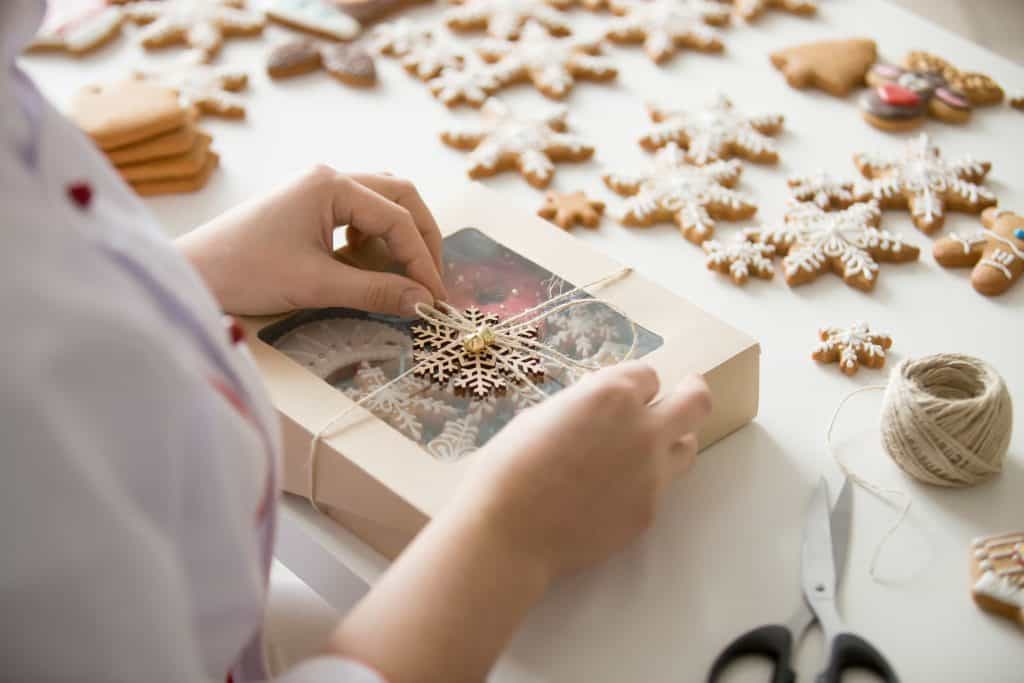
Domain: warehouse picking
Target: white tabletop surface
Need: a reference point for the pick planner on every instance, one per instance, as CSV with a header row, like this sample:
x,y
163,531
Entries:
x,y
723,555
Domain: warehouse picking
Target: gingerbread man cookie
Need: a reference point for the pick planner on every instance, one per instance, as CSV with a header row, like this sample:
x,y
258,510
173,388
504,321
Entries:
x,y
822,189
848,243
504,19
504,140
902,97
834,66
673,190
666,26
566,209
852,347
997,575
996,253
318,17
200,24
210,90
921,180
740,258
748,10
716,132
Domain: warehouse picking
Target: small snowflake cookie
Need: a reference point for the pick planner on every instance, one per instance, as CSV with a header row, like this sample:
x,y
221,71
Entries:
x,y
550,64
209,89
504,19
200,24
749,10
996,252
997,575
740,258
852,347
503,140
847,243
674,190
666,26
921,180
471,83
566,209
822,189
715,132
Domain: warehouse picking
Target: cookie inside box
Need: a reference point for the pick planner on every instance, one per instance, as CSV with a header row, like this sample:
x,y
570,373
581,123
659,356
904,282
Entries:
x,y
359,353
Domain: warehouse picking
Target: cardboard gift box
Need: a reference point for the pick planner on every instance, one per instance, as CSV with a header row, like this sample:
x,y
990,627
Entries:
x,y
380,482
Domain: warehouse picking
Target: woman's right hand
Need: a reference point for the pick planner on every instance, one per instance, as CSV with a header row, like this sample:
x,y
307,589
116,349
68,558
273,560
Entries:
x,y
574,479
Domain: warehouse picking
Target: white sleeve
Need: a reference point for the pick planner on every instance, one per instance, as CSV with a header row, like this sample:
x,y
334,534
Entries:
x,y
330,670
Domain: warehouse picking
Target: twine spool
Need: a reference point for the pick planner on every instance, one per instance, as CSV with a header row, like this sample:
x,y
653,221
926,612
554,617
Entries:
x,y
947,419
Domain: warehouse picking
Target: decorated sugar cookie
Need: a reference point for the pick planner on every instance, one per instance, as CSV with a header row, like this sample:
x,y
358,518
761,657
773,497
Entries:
x,y
504,19
200,24
428,58
901,97
551,64
822,189
348,63
397,38
834,66
86,27
996,252
852,347
674,190
566,209
752,9
848,243
211,90
921,180
997,575
318,17
740,258
667,26
472,83
715,132
504,140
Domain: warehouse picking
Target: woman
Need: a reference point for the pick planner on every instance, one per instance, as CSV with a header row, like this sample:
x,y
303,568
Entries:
x,y
138,494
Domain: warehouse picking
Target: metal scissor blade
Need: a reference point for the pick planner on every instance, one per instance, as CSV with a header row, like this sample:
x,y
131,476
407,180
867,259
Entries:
x,y
842,518
818,570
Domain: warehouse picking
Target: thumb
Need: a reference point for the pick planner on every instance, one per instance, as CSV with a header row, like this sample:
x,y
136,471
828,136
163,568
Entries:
x,y
370,291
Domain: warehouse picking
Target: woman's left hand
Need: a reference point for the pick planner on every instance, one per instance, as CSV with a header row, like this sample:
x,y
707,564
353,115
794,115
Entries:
x,y
274,254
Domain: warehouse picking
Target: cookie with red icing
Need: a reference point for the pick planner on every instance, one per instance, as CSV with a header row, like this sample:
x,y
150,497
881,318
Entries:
x,y
901,97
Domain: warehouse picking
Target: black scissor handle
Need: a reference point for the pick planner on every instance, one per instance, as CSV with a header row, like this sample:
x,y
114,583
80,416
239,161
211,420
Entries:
x,y
774,642
850,651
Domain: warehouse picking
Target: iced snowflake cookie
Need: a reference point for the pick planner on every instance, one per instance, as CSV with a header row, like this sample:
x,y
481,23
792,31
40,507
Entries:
x,y
350,64
471,83
690,196
209,89
822,189
901,97
997,575
396,38
847,243
503,140
921,180
200,24
566,209
86,27
504,19
318,17
748,10
996,252
666,26
740,258
715,132
551,64
834,66
852,347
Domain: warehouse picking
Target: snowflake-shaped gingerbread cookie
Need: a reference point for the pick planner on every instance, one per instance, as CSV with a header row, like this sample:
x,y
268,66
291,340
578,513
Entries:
x,y
673,190
715,132
852,347
504,140
504,19
200,24
551,64
471,83
921,180
822,189
209,89
848,243
740,259
397,38
752,9
405,405
665,26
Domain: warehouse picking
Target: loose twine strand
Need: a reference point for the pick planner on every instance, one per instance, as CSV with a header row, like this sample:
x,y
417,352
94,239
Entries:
x,y
946,420
505,336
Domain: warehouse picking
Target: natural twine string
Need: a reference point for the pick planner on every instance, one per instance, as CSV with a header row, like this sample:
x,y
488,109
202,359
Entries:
x,y
504,335
946,420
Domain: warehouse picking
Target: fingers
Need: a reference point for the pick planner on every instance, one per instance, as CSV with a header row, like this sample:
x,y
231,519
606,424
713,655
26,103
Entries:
x,y
357,205
404,193
634,378
338,284
681,455
685,408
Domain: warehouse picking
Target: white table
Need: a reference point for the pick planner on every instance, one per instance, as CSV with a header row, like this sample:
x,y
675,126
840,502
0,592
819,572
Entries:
x,y
723,555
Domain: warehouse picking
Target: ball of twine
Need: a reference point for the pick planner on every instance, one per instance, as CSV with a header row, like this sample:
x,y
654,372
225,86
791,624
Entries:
x,y
947,419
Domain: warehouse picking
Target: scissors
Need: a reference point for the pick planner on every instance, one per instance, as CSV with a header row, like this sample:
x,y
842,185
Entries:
x,y
826,536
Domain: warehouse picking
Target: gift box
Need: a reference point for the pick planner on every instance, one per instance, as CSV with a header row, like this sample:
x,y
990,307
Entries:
x,y
399,440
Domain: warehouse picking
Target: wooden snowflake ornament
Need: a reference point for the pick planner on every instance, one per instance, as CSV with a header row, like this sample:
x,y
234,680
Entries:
x,y
852,347
503,140
673,190
847,243
740,259
666,26
715,132
478,363
504,19
200,24
921,180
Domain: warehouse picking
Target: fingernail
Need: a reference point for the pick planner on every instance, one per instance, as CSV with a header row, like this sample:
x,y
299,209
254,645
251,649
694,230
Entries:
x,y
410,298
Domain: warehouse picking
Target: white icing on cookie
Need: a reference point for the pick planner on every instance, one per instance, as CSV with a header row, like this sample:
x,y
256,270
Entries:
x,y
666,25
202,24
210,89
316,16
504,18
852,343
1001,560
822,189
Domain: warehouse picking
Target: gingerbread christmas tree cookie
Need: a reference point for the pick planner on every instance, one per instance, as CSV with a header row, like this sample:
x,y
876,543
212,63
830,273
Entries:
x,y
921,180
752,9
504,140
715,132
996,253
199,24
848,243
852,347
674,190
566,209
504,19
834,66
667,26
740,259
